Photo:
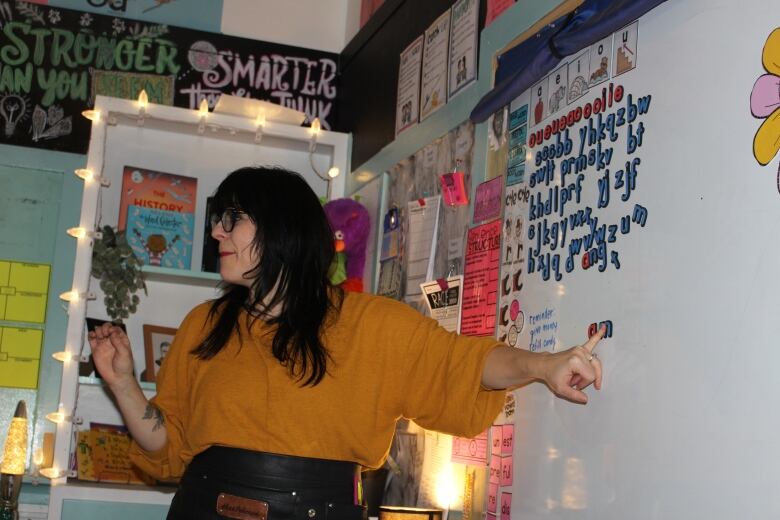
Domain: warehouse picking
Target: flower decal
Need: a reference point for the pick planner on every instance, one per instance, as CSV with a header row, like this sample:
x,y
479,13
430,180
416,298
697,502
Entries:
x,y
54,16
765,102
118,25
85,20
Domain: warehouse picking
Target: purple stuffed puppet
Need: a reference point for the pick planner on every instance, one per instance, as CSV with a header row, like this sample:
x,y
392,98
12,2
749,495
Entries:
x,y
351,224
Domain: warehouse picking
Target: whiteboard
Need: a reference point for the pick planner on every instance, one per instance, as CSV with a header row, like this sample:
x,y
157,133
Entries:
x,y
687,423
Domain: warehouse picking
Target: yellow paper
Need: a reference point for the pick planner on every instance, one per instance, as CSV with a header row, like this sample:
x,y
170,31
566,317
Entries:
x,y
102,456
20,355
25,291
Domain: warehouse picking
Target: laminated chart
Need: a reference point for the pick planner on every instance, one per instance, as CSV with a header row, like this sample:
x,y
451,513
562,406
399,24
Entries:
x,y
20,356
23,291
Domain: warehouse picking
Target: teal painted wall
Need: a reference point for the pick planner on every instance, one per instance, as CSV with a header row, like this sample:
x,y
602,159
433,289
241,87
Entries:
x,y
22,172
83,510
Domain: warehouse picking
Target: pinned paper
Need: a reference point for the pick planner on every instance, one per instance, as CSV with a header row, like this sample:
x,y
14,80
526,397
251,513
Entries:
x,y
507,439
470,451
492,498
495,469
453,189
506,471
506,506
495,440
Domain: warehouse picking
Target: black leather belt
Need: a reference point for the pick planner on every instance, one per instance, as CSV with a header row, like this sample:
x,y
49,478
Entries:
x,y
249,485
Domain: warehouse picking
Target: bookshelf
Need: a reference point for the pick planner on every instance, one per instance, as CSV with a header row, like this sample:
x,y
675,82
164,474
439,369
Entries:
x,y
205,146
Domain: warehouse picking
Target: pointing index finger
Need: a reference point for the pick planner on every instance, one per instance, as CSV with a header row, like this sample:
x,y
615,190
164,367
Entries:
x,y
590,345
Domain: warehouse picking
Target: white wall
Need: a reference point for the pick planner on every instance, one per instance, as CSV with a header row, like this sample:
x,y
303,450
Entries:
x,y
316,24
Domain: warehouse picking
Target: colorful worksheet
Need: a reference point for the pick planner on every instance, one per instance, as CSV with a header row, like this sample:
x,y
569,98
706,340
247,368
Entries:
x,y
20,356
24,289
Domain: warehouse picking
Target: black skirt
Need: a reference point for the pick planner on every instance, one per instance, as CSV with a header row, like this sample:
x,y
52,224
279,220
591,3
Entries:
x,y
249,485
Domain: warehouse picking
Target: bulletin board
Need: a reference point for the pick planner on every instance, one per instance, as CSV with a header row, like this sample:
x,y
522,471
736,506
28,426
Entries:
x,y
643,207
417,177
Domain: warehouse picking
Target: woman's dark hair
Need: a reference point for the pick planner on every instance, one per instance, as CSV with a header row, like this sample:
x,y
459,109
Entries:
x,y
294,245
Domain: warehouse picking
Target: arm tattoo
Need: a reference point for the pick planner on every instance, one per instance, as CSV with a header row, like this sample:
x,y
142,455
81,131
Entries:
x,y
154,413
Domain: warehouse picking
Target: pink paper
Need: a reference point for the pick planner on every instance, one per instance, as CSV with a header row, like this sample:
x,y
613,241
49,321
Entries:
x,y
495,8
480,283
470,451
495,469
506,471
507,439
492,498
489,200
506,506
496,439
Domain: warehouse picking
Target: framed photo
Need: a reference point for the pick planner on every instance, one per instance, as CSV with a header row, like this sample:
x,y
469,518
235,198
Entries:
x,y
157,341
87,368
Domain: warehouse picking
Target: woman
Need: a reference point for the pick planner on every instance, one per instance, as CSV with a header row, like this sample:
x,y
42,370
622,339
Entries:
x,y
274,395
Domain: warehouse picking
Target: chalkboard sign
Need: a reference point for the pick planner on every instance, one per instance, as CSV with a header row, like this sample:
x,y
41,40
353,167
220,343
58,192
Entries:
x,y
54,61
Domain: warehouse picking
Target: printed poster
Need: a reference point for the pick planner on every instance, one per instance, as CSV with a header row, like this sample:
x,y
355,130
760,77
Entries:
x,y
480,285
421,248
444,298
20,356
407,109
487,200
433,94
511,318
464,40
470,451
24,290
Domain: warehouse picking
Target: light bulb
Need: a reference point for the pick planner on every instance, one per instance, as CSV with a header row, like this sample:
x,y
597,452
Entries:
x,y
70,296
38,457
64,356
143,100
52,473
260,121
333,172
203,108
88,176
80,232
92,115
57,417
12,110
77,232
316,127
84,174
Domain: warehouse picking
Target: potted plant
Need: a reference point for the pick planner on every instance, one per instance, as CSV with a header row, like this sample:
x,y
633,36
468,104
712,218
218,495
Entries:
x,y
119,272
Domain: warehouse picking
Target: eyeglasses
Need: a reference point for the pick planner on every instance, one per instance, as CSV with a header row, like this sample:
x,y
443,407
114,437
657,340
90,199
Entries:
x,y
228,218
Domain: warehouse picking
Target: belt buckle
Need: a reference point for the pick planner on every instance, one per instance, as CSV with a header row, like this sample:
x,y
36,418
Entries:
x,y
240,508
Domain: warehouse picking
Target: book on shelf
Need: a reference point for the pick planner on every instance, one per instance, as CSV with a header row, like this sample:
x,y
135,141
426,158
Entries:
x,y
160,238
102,456
157,213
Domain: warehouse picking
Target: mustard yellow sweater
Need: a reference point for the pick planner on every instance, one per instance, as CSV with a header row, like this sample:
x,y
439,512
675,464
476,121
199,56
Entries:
x,y
387,361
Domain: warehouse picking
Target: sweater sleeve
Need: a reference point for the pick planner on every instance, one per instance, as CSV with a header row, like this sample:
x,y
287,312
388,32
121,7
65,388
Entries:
x,y
169,462
443,375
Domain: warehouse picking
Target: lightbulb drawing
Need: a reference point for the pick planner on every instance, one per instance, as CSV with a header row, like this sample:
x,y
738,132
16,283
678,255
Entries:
x,y
12,109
